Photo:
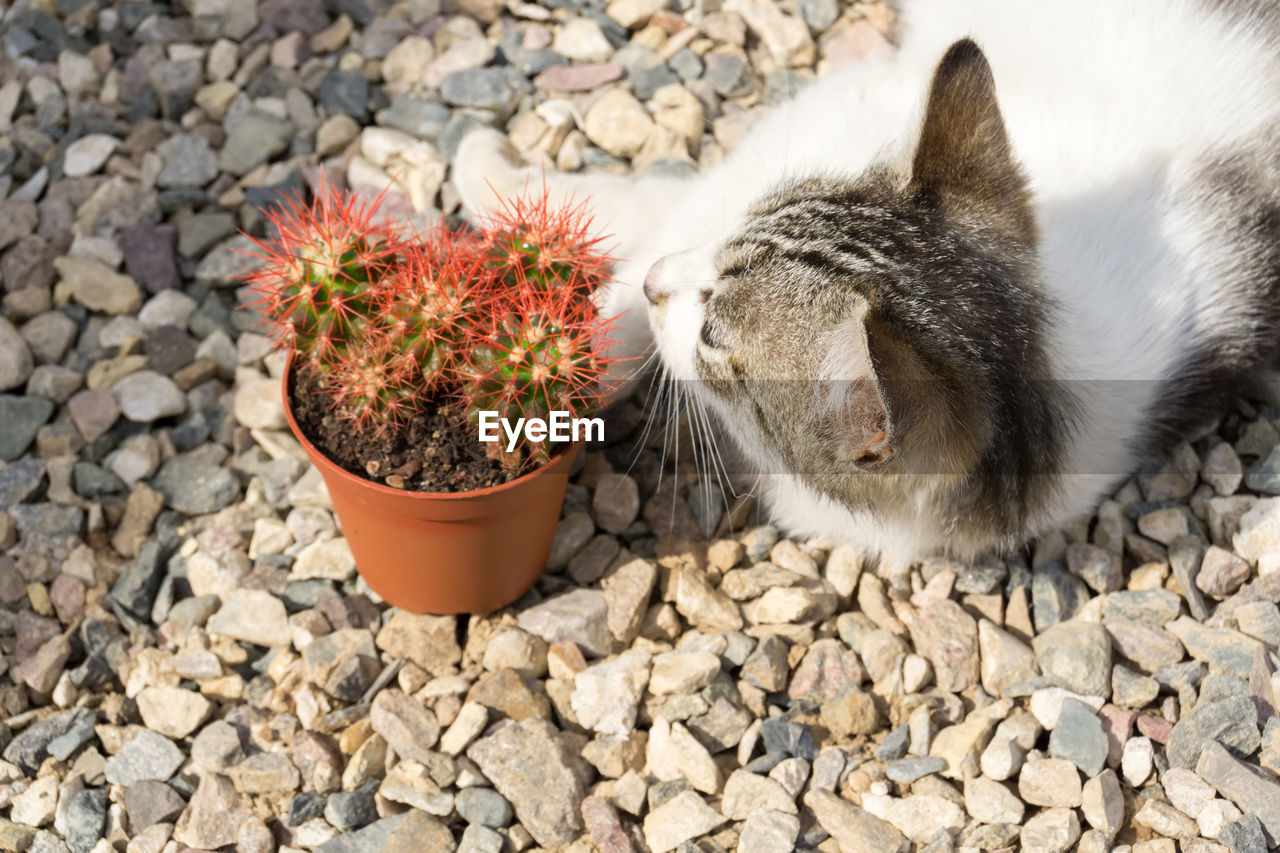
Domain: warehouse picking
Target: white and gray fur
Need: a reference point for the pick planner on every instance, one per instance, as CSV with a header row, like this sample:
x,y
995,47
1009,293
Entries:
x,y
949,298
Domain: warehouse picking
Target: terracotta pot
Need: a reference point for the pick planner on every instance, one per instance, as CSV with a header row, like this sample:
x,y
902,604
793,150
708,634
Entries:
x,y
438,552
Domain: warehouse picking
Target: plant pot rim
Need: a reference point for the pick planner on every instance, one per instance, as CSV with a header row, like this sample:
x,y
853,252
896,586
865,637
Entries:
x,y
380,488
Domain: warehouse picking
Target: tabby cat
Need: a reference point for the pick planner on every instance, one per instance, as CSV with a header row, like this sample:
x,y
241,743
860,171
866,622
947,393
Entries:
x,y
949,298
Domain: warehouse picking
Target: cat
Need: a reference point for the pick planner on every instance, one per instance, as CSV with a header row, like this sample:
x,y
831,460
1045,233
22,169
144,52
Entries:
x,y
948,300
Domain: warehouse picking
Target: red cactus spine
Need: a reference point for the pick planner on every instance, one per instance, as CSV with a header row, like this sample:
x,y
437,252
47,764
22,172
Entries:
x,y
533,245
321,272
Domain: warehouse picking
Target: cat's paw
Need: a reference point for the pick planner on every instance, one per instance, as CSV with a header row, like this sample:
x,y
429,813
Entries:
x,y
485,171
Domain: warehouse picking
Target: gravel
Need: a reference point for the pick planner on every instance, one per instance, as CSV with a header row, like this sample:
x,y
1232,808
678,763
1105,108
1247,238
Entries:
x,y
188,657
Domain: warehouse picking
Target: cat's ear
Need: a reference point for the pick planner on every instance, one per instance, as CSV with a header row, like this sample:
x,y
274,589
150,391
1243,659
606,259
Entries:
x,y
963,159
869,354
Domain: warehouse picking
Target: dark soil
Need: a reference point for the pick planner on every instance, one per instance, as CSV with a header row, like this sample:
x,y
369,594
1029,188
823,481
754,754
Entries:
x,y
429,454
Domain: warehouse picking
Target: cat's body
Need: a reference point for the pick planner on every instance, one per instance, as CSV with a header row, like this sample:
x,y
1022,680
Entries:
x,y
1014,334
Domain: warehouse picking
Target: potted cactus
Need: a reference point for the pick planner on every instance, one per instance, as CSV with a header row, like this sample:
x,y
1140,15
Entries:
x,y
419,369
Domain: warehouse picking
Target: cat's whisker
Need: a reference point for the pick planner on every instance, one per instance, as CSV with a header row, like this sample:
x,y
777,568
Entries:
x,y
675,464
667,393
651,406
713,451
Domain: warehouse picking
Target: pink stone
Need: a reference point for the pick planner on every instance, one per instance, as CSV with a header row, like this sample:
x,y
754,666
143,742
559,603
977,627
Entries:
x,y
828,669
33,631
606,830
94,412
41,670
1117,722
1156,728
67,594
579,78
319,761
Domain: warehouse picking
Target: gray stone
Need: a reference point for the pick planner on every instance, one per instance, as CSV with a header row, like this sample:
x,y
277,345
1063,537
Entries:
x,y
175,83
49,335
146,396
199,233
77,734
616,502
1185,556
1231,721
1056,595
22,418
252,140
1079,737
16,362
1222,648
687,64
217,747
818,14
345,93
20,480
169,349
347,810
150,801
783,736
497,89
138,584
1244,835
483,806
194,486
546,803
1099,568
895,744
908,770
1076,656
479,839
1260,620
1254,791
422,119
84,819
645,81
189,162
1153,606
1269,755
411,832
1264,476
147,755
226,263
726,73
579,616
31,746
1147,645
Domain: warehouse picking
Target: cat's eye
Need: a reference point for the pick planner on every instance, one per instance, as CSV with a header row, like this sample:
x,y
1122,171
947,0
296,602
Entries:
x,y
708,336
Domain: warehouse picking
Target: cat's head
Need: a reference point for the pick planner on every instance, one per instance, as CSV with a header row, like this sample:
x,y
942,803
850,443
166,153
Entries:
x,y
857,329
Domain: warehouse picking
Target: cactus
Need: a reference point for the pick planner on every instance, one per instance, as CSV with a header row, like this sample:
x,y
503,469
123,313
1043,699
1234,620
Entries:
x,y
320,274
533,245
393,326
537,357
